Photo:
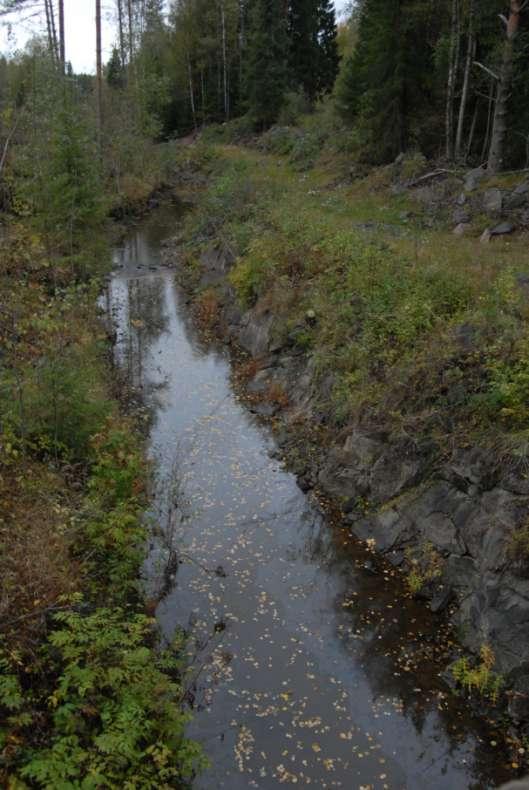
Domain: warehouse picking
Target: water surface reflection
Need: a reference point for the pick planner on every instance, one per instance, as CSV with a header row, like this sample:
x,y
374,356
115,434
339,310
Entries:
x,y
305,658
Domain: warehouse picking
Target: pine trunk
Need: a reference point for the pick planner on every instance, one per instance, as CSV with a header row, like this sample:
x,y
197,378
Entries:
x,y
224,61
472,131
99,75
242,41
131,30
50,28
466,81
121,33
62,43
451,84
499,125
54,31
191,93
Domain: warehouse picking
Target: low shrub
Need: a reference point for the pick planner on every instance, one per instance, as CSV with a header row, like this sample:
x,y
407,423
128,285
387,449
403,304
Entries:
x,y
425,565
110,713
99,705
280,140
295,107
239,130
478,677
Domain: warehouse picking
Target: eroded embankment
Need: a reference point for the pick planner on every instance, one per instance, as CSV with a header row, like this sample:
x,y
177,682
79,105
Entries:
x,y
447,509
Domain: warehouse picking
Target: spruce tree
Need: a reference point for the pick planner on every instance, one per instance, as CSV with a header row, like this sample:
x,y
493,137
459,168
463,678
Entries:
x,y
153,16
266,64
313,54
328,58
115,71
304,50
385,85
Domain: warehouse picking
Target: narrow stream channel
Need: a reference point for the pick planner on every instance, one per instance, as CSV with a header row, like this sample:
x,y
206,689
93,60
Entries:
x,y
304,670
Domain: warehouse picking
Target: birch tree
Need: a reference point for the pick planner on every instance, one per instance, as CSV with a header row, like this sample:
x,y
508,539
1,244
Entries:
x,y
471,47
499,126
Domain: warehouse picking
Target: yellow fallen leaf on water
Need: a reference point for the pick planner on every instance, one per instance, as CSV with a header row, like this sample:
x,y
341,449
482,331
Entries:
x,y
316,747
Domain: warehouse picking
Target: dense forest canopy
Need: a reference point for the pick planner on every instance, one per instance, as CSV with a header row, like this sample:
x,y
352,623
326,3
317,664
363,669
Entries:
x,y
447,78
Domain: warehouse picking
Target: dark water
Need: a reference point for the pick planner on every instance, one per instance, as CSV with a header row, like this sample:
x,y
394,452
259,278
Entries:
x,y
310,677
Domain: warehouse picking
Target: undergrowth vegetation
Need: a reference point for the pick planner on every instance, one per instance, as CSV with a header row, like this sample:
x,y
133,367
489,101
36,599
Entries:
x,y
417,331
478,676
87,697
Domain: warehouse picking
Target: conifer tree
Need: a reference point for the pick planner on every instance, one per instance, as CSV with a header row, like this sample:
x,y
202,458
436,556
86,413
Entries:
x,y
313,53
266,65
372,78
328,60
304,53
387,78
115,71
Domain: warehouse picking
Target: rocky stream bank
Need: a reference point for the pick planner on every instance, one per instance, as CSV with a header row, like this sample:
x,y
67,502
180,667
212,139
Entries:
x,y
445,518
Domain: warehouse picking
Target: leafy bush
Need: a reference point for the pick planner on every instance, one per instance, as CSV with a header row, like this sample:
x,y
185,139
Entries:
x,y
280,139
251,274
113,711
238,130
295,106
480,677
51,389
306,150
108,704
508,389
413,165
59,404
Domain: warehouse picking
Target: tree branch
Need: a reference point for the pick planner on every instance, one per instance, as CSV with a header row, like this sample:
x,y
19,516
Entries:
x,y
487,70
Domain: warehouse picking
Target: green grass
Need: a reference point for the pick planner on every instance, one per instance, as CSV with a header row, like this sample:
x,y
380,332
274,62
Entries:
x,y
420,330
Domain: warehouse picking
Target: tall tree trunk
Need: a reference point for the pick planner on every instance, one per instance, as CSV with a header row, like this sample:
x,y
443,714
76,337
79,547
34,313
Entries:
x,y
499,125
121,33
490,111
242,43
62,42
54,30
472,131
191,92
224,61
471,44
203,96
451,83
131,31
99,75
50,28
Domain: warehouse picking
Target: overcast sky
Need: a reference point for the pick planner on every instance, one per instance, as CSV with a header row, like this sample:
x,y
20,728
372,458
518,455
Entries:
x,y
80,32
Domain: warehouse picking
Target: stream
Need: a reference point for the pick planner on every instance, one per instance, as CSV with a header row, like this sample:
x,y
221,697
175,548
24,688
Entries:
x,y
303,656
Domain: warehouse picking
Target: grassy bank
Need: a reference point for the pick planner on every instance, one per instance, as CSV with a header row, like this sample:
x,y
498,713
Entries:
x,y
419,332
87,699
